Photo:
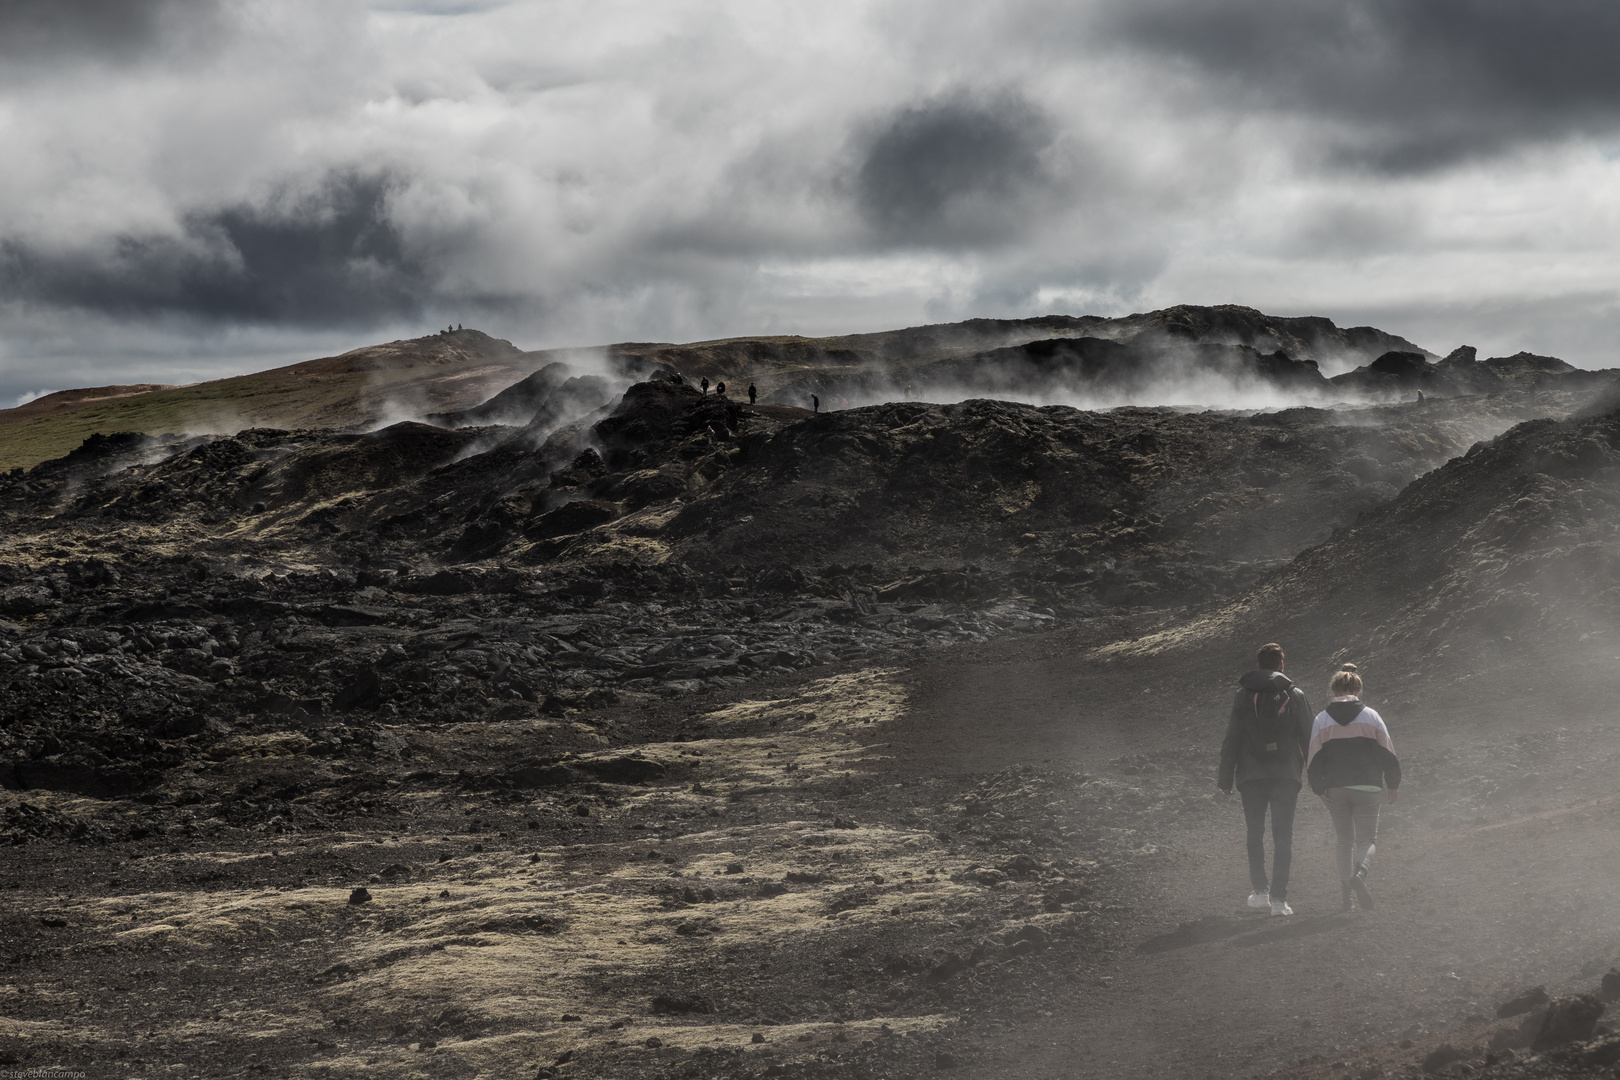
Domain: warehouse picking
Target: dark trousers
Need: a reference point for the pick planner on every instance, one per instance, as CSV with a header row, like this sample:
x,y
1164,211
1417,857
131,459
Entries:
x,y
1279,796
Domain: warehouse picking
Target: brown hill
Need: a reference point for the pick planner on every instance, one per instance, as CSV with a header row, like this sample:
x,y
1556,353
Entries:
x,y
70,400
357,388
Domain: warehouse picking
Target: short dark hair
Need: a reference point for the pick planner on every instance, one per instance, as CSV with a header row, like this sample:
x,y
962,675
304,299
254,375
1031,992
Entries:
x,y
1270,656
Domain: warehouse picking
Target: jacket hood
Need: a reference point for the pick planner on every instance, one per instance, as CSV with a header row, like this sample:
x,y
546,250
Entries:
x,y
1344,711
1261,679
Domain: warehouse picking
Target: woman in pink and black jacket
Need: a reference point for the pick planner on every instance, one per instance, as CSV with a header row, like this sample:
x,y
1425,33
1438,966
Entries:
x,y
1352,767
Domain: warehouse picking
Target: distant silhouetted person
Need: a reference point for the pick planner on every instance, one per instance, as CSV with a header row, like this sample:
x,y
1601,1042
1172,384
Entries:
x,y
1351,766
1263,757
753,395
705,385
458,326
1420,397
720,389
710,432
815,403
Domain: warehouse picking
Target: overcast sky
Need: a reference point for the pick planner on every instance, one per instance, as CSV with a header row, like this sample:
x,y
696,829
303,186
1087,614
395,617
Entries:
x,y
200,188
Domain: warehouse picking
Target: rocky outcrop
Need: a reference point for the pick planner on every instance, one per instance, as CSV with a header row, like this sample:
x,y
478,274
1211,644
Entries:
x,y
1078,370
553,395
1402,374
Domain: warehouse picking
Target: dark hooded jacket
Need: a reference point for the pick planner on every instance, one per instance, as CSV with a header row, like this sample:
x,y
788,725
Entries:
x,y
1238,763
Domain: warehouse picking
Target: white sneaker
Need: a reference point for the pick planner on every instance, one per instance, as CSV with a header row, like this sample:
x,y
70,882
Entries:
x,y
1280,907
1259,899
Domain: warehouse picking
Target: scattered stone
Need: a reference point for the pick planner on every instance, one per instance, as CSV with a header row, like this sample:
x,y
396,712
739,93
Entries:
x,y
571,1018
1441,1056
1523,1003
1020,865
1569,1019
1036,937
362,895
1603,1053
26,600
653,1042
53,922
757,1038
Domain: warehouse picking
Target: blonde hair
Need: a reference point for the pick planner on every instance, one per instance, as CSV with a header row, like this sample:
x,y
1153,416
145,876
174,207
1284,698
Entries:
x,y
1345,681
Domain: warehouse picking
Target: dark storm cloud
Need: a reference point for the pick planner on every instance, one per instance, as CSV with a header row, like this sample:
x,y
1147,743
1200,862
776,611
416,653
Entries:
x,y
44,30
1412,84
954,171
329,258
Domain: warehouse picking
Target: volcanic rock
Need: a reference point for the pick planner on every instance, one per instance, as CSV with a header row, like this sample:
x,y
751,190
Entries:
x,y
1441,1056
551,396
26,600
1569,1019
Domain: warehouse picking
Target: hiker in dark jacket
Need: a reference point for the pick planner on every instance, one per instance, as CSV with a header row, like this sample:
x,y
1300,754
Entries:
x,y
1262,757
1351,764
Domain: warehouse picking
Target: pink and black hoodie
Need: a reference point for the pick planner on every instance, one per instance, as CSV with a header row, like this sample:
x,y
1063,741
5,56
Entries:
x,y
1351,747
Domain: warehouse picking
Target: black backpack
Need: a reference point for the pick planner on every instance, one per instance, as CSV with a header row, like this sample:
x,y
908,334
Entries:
x,y
1269,728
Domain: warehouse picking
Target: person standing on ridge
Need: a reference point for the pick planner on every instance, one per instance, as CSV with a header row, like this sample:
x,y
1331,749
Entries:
x,y
1351,764
815,403
705,385
1263,758
753,395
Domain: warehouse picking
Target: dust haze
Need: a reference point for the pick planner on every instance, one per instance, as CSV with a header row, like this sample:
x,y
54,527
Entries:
x,y
873,742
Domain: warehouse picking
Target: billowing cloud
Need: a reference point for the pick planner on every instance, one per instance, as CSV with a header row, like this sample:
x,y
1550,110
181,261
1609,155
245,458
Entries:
x,y
46,30
1398,84
195,188
328,257
955,171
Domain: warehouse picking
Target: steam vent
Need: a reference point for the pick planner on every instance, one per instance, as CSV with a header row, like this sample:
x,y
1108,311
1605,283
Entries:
x,y
446,709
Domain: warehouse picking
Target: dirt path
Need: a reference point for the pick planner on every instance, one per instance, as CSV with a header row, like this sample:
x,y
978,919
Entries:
x,y
1496,872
